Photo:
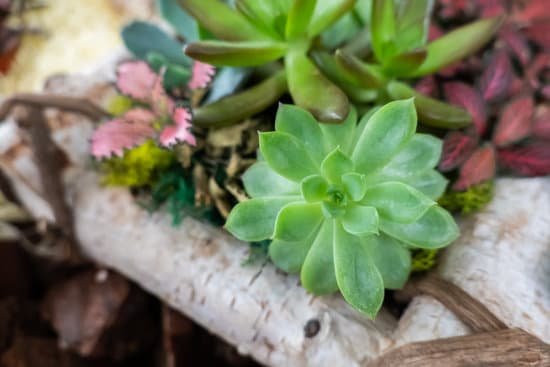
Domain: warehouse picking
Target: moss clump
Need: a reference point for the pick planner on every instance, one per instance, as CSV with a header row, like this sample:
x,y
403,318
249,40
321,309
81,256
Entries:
x,y
423,260
138,167
469,201
119,104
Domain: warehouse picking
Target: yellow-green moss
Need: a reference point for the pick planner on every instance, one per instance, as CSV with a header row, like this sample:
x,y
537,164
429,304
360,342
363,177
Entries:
x,y
423,260
139,167
119,105
469,201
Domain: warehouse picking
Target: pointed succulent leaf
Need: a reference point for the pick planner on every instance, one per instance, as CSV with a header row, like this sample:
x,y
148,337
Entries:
x,y
458,44
413,21
403,64
430,183
362,124
260,180
222,53
386,133
391,258
222,21
383,28
254,219
358,279
327,12
178,18
299,16
397,201
431,112
340,136
335,165
367,75
457,147
435,229
479,167
515,122
421,153
360,220
265,15
287,155
470,99
314,188
142,38
311,90
317,275
354,185
289,256
297,221
303,126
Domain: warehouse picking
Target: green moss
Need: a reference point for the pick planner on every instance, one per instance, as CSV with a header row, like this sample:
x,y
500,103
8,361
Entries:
x,y
139,167
423,260
119,104
469,201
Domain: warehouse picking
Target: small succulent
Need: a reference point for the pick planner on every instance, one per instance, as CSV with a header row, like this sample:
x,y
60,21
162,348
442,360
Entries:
x,y
343,203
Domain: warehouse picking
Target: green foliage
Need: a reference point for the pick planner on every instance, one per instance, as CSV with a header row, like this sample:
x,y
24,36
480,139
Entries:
x,y
470,201
423,260
344,203
120,104
138,167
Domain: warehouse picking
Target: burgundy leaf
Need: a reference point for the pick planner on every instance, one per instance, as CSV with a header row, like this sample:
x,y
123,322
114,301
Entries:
x,y
427,86
491,8
539,32
515,122
454,8
526,12
480,167
517,43
202,75
132,129
136,79
457,147
496,77
545,92
541,124
179,130
529,160
434,32
465,96
536,69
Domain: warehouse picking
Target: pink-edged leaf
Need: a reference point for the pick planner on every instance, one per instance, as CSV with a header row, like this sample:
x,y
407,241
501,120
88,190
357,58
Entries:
x,y
536,69
457,147
465,96
132,129
517,43
427,86
525,12
539,32
202,75
161,102
532,159
497,76
179,131
491,8
515,122
541,124
136,79
480,167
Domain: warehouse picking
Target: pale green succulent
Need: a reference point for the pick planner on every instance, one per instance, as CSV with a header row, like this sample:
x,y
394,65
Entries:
x,y
344,203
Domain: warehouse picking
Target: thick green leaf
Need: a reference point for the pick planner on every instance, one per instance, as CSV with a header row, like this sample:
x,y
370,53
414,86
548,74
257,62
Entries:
x,y
178,18
263,14
355,185
303,126
430,183
176,76
254,219
299,17
297,221
360,220
362,124
413,22
222,21
431,112
260,180
383,28
335,165
289,256
235,108
396,201
343,30
387,132
391,258
358,279
435,229
311,90
314,188
367,75
340,136
403,64
287,155
420,154
458,44
317,275
250,53
326,13
143,38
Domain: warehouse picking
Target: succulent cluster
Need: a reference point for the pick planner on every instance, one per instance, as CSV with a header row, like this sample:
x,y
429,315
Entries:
x,y
344,203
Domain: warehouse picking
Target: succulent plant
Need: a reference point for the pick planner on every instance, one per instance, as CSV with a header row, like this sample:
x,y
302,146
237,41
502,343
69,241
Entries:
x,y
344,203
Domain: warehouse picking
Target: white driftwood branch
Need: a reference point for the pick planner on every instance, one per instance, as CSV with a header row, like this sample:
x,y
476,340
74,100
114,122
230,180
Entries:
x,y
502,258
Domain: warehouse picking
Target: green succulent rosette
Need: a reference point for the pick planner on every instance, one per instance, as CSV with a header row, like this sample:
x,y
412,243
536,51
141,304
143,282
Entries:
x,y
344,204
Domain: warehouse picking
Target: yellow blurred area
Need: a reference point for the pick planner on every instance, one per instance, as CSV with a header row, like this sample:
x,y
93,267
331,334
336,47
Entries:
x,y
79,33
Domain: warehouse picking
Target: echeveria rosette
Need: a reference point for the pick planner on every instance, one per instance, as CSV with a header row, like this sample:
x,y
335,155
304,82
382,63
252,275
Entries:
x,y
344,203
